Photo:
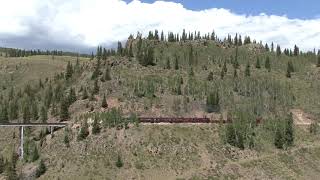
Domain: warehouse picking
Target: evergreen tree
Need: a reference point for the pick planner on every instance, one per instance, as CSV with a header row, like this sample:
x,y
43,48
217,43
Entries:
x,y
176,63
84,131
66,139
267,64
104,54
191,57
213,102
288,72
119,162
258,66
120,49
278,50
41,169
236,63
1,164
296,50
225,67
26,115
95,87
35,154
99,53
43,114
64,110
92,56
130,50
168,64
72,96
222,73
191,73
210,76
35,114
104,103
95,126
4,115
231,135
10,171
162,36
247,71
313,129
279,140
235,73
69,71
289,135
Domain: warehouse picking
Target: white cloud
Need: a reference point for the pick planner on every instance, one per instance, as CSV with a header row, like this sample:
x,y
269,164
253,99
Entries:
x,y
93,22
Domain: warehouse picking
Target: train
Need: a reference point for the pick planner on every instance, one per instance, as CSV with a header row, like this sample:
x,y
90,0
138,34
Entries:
x,y
185,120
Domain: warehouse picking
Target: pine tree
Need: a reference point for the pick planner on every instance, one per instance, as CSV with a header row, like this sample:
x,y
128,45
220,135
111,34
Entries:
x,y
95,126
35,153
64,110
69,71
267,64
247,71
279,140
10,171
35,114
313,129
95,87
66,139
4,115
176,63
119,162
72,96
191,73
84,131
289,135
43,114
235,73
225,67
1,164
213,102
258,66
296,50
191,58
278,50
41,169
288,72
162,36
168,64
119,49
26,115
236,63
222,73
92,56
104,103
210,76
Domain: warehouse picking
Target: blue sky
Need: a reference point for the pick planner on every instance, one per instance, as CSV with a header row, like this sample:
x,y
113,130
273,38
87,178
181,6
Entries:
x,y
302,9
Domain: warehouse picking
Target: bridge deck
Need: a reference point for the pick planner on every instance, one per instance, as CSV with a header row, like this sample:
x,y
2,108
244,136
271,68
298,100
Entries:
x,y
33,125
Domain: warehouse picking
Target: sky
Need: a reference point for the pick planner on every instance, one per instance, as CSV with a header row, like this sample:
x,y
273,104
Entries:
x,y
302,9
79,25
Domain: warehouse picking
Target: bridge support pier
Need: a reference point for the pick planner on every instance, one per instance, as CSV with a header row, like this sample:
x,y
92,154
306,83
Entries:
x,y
51,131
21,142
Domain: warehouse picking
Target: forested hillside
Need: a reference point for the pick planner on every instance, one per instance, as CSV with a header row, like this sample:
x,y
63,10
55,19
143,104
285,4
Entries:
x,y
101,96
